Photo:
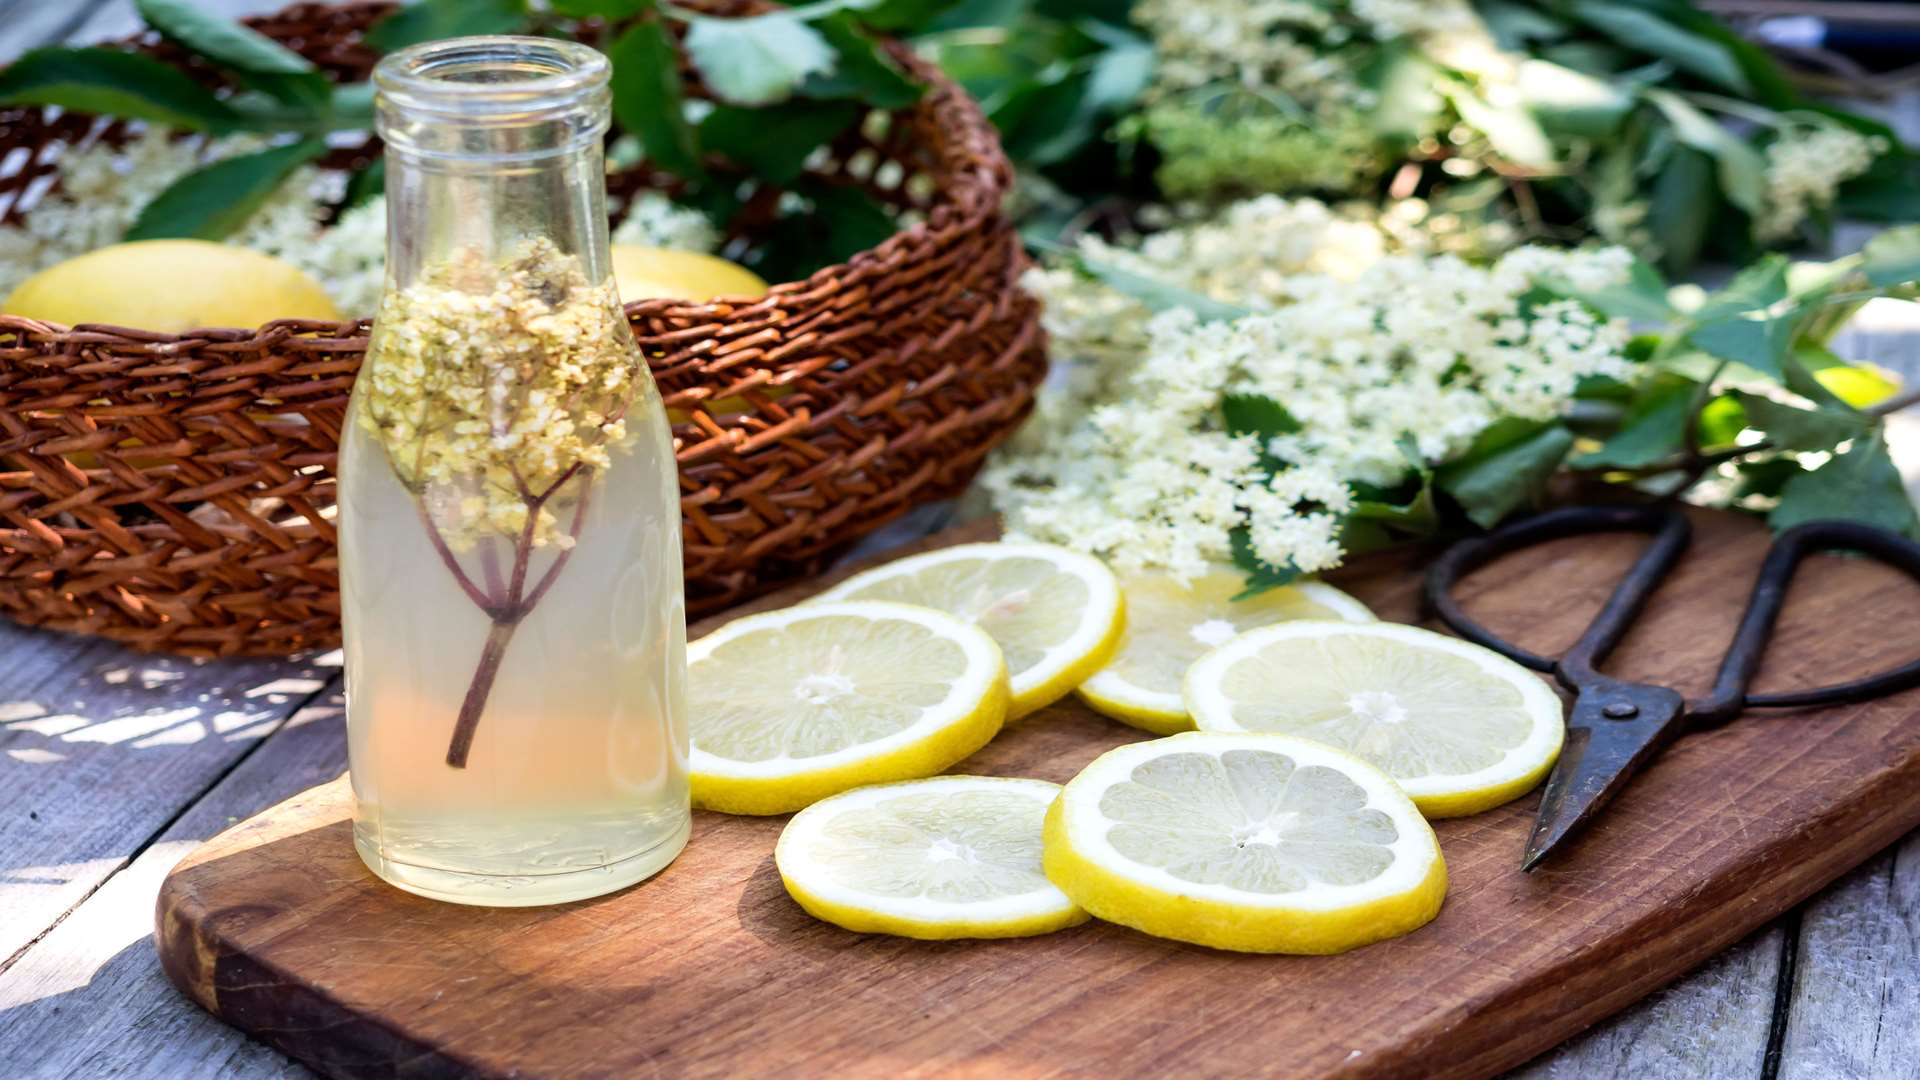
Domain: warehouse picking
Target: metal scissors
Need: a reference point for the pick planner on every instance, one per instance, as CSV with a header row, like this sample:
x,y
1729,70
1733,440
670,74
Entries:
x,y
1617,727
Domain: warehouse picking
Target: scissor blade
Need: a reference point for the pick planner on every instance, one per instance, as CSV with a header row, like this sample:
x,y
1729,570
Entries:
x,y
1614,730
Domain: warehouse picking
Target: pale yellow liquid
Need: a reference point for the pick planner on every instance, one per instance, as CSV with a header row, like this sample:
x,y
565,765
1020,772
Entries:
x,y
576,783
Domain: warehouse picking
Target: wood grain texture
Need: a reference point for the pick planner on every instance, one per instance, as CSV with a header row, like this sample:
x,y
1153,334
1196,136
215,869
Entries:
x,y
710,969
88,1000
102,748
1855,1009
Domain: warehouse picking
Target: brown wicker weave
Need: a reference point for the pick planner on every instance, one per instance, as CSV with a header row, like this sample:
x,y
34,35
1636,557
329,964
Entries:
x,y
174,491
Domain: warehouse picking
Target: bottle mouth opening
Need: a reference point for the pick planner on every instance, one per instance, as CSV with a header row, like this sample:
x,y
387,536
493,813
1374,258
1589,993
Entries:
x,y
502,78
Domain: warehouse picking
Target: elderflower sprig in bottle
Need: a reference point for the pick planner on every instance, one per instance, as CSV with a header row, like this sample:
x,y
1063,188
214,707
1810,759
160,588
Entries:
x,y
509,525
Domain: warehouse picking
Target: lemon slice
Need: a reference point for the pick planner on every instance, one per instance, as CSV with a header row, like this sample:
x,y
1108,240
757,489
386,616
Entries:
x,y
1056,613
788,707
1171,624
1459,727
1257,843
951,857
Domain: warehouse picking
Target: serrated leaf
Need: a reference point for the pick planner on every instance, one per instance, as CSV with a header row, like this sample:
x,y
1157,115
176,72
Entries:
x,y
1788,427
210,203
1892,257
1654,428
757,60
1862,484
1742,323
253,58
432,20
1257,415
1260,577
648,98
106,82
1741,170
1655,36
862,70
1506,468
775,141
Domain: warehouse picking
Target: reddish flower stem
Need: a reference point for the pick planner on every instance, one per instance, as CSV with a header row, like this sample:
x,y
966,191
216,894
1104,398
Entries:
x,y
505,611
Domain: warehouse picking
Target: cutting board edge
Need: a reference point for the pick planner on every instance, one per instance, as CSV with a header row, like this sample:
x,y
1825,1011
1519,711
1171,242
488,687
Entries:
x,y
1889,807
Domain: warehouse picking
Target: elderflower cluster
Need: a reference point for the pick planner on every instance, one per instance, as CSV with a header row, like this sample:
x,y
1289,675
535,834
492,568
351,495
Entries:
x,y
654,220
1416,355
1263,95
1805,167
497,389
1249,254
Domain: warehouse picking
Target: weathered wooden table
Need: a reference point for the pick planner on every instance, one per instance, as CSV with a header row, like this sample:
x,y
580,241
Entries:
x,y
116,764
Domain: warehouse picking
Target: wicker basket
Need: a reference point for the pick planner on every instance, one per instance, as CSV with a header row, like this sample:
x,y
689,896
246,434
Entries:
x,y
175,492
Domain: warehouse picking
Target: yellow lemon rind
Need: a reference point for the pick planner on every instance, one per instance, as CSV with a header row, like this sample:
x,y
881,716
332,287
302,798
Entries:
x,y
941,750
1113,896
1436,797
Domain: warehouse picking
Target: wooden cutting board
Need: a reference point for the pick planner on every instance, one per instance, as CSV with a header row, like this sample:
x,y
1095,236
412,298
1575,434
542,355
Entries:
x,y
711,970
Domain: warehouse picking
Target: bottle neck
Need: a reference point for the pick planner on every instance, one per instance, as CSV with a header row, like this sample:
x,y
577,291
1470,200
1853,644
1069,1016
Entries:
x,y
493,143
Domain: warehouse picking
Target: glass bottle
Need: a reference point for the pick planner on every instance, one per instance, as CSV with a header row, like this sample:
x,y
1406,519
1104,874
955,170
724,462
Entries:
x,y
509,514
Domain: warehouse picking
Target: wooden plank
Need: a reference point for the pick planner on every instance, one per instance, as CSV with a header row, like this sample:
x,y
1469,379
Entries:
x,y
1712,1025
89,1000
711,968
1855,1005
101,747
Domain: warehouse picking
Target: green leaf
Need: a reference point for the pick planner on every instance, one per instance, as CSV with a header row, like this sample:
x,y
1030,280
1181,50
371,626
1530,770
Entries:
x,y
1642,298
366,184
1721,422
1741,169
1406,106
1258,415
1892,257
609,11
757,60
863,70
1680,209
1743,323
1510,129
1506,468
1654,428
1767,477
1048,117
210,203
774,142
1373,524
1856,386
106,82
648,101
1260,577
1572,102
255,59
1157,295
899,15
432,20
1788,427
1862,484
1647,32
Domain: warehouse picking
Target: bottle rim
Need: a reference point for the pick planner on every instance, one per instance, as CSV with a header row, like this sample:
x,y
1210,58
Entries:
x,y
493,79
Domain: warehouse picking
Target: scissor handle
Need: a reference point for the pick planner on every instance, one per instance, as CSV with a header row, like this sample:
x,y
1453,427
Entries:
x,y
1729,694
1670,531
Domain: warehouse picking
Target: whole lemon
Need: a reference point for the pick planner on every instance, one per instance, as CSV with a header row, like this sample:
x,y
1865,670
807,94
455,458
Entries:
x,y
649,273
170,286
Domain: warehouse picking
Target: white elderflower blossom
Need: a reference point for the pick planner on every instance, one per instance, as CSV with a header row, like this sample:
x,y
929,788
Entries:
x,y
1413,352
1249,254
656,221
1805,167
